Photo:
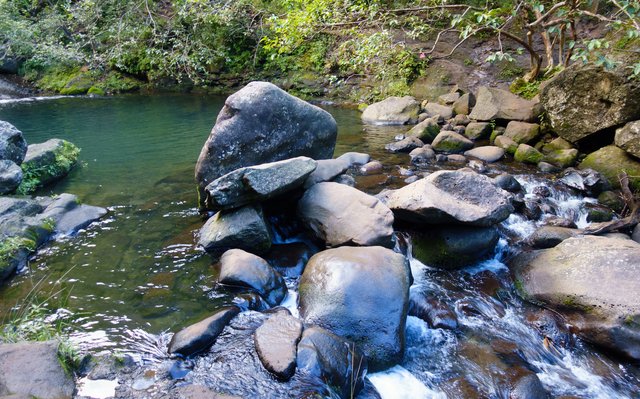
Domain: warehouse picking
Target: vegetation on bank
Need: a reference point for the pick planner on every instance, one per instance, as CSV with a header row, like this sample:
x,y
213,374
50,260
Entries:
x,y
108,46
36,173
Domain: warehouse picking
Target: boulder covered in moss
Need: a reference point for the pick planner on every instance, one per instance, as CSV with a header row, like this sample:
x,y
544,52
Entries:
x,y
562,158
426,131
522,132
46,163
610,161
450,142
527,154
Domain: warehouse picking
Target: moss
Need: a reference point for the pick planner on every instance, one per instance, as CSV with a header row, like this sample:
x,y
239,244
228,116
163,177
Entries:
x,y
494,133
36,175
524,89
510,70
56,79
116,82
611,161
10,246
528,154
78,84
95,90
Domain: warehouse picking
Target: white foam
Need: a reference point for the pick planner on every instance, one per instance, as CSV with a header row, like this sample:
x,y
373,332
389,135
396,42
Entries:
x,y
97,389
398,383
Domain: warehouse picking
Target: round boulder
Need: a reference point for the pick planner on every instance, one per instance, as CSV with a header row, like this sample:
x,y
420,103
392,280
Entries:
x,y
392,111
13,146
361,294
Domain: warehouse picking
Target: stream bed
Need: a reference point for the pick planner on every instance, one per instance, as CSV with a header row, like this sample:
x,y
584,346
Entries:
x,y
136,275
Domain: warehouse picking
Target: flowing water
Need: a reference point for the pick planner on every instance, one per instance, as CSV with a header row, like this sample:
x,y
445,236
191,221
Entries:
x,y
137,274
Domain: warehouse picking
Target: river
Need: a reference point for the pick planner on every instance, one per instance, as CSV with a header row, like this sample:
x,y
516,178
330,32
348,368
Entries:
x,y
138,271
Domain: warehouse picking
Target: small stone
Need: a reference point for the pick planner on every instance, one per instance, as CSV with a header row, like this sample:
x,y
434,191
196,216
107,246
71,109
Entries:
x,y
507,144
371,168
200,336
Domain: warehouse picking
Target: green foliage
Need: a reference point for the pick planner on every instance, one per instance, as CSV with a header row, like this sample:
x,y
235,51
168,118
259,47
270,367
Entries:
x,y
33,174
10,246
525,89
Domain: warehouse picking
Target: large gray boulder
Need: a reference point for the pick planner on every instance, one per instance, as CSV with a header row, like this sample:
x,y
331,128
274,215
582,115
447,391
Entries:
x,y
10,176
33,370
200,336
392,111
362,294
594,282
461,197
244,228
342,215
583,100
487,153
497,104
258,183
242,269
628,138
262,123
611,161
332,359
276,340
452,247
13,146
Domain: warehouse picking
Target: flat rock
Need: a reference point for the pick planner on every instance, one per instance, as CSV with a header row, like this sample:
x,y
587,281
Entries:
x,y
462,197
258,183
486,153
13,146
200,336
392,111
441,111
32,369
326,207
407,144
497,104
244,228
48,162
340,287
591,280
259,124
327,170
242,269
276,341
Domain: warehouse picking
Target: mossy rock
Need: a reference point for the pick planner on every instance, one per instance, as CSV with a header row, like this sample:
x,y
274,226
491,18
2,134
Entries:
x,y
527,154
46,163
562,158
611,161
77,85
97,91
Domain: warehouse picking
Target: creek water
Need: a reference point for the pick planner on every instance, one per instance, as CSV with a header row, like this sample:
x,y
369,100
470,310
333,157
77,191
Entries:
x,y
137,274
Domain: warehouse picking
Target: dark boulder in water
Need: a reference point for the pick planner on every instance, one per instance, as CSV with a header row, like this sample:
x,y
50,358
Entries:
x,y
200,336
276,341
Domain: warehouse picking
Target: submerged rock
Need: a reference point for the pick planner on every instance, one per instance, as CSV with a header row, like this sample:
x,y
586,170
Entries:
x,y
258,183
335,360
262,123
594,282
342,215
362,294
276,340
10,176
392,111
200,336
583,100
33,369
13,146
462,197
244,228
430,309
242,269
496,104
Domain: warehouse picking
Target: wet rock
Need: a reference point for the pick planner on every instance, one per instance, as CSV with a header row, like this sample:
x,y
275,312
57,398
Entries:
x,y
593,281
587,181
422,155
635,236
598,213
546,167
13,146
486,153
560,222
32,369
48,162
371,168
244,228
562,158
496,104
405,145
610,161
426,130
442,111
197,392
456,158
464,104
392,111
325,207
478,130
527,154
550,236
341,286
258,183
251,301
242,269
450,142
628,138
463,197
354,158
551,326
262,123
200,336
583,100
453,247
289,259
611,200
10,176
326,170
433,311
335,360
528,386
276,342
346,180
441,158
507,182
507,144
